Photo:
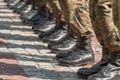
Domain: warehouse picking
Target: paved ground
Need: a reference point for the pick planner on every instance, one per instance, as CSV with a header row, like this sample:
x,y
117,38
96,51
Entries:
x,y
23,56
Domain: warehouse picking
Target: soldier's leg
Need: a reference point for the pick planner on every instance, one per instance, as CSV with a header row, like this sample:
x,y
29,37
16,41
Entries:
x,y
37,14
69,8
56,10
61,33
51,25
19,5
103,18
69,14
77,16
85,72
99,30
76,13
111,37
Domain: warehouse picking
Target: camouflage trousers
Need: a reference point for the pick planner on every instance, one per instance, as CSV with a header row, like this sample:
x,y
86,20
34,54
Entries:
x,y
76,14
56,10
105,20
52,6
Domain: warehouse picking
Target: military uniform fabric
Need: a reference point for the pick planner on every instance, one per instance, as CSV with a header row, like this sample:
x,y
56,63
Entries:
x,y
76,13
105,23
58,15
56,10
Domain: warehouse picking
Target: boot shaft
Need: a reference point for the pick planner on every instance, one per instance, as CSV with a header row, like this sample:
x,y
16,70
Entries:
x,y
105,54
84,41
115,58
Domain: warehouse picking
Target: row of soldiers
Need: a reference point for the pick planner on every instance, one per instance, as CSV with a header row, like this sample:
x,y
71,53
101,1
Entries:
x,y
67,26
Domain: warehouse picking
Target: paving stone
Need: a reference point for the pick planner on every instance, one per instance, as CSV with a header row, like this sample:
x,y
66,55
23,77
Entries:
x,y
9,68
4,50
35,74
30,68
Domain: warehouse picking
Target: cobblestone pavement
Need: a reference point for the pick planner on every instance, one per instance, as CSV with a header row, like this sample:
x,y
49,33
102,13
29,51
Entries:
x,y
23,56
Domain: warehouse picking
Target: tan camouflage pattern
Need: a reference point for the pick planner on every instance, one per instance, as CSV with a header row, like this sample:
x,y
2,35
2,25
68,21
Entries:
x,y
105,19
76,13
52,6
56,10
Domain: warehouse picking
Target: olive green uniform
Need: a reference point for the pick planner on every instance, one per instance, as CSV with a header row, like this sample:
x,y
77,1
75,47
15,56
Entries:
x,y
52,7
105,20
76,13
56,10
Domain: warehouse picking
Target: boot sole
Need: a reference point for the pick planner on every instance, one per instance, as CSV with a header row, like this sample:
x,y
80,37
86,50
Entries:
x,y
77,64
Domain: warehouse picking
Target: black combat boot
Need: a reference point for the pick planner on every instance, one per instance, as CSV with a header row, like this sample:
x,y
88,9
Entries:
x,y
51,29
48,25
26,8
55,34
35,20
19,5
65,46
83,55
59,37
12,3
111,71
36,28
39,17
31,13
71,47
85,72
